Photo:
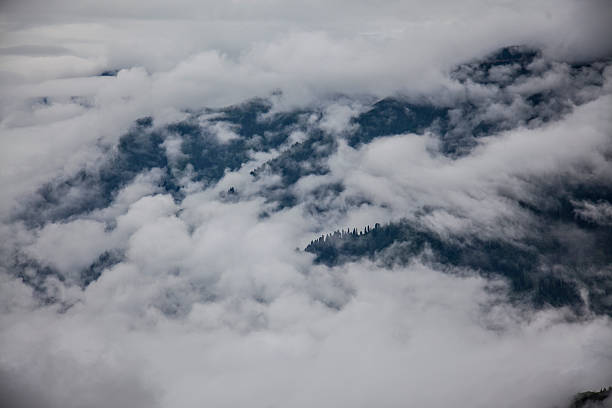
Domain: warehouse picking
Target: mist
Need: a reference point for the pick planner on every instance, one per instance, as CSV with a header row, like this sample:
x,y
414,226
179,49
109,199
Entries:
x,y
166,169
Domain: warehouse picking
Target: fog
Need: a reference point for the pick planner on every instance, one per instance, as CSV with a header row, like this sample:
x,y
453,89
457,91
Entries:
x,y
205,295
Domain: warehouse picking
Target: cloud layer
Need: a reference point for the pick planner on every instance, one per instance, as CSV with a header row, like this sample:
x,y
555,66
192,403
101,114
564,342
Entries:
x,y
153,243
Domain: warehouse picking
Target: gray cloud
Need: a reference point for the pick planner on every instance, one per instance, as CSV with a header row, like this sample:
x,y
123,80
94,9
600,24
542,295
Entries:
x,y
198,293
32,50
598,213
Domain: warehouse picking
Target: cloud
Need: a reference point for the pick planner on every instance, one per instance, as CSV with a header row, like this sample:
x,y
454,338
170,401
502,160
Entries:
x,y
405,335
34,50
69,247
175,317
204,294
405,174
598,213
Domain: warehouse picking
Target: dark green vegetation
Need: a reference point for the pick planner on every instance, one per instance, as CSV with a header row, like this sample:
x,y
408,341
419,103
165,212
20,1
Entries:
x,y
143,149
458,125
538,267
591,399
38,280
546,266
562,254
393,116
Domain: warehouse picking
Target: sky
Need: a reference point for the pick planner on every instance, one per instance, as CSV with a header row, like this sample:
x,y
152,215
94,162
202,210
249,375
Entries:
x,y
210,299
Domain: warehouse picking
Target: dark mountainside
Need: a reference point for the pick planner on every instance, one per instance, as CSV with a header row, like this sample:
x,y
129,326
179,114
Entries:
x,y
592,399
529,266
552,272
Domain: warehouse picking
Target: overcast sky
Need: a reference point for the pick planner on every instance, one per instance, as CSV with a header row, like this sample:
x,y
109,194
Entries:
x,y
252,320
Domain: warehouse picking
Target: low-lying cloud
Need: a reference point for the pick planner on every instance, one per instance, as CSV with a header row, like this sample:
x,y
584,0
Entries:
x,y
153,245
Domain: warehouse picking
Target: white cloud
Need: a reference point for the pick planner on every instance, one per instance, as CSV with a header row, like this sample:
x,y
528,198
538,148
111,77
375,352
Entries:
x,y
70,247
224,131
209,302
404,174
337,118
406,335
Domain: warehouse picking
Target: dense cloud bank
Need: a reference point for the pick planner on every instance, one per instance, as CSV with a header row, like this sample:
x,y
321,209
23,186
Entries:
x,y
344,205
